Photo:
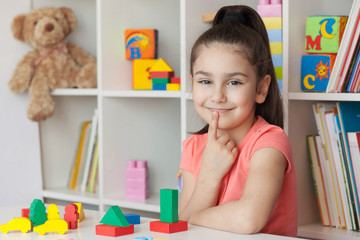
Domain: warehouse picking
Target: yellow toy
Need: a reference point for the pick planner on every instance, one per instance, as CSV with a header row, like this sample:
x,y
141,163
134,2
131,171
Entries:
x,y
22,224
52,225
161,66
141,74
53,212
81,212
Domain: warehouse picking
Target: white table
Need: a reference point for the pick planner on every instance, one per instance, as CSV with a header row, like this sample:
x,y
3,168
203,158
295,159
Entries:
x,y
86,230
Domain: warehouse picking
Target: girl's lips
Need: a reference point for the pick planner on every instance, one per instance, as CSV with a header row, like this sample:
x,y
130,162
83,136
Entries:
x,y
219,110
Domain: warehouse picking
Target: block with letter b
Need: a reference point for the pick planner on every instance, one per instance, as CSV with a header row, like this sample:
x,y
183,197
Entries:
x,y
141,43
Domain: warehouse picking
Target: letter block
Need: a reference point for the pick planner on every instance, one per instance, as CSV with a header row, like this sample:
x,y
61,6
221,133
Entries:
x,y
141,43
315,71
324,33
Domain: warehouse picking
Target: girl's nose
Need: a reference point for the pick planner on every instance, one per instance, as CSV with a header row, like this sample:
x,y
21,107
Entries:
x,y
218,95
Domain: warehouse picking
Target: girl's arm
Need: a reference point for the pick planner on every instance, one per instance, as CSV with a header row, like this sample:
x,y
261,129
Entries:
x,y
252,211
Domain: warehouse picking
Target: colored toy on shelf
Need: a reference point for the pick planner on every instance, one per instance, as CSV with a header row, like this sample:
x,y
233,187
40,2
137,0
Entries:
x,y
315,71
22,224
141,43
80,211
143,238
169,219
175,80
53,212
37,213
25,212
137,180
324,33
269,8
173,87
115,217
53,225
71,215
113,231
161,74
132,218
141,74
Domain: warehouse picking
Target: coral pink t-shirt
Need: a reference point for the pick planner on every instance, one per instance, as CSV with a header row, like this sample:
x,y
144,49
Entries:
x,y
283,219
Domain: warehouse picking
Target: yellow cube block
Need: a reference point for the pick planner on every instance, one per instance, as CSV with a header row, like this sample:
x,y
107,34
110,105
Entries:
x,y
173,87
272,22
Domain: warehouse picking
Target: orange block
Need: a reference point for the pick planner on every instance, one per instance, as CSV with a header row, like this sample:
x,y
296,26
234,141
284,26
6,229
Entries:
x,y
113,231
141,43
164,227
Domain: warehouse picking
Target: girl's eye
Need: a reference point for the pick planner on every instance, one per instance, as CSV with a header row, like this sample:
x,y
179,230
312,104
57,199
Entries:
x,y
234,82
204,81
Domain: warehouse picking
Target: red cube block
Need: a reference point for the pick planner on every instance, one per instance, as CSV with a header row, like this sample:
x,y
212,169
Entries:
x,y
164,227
113,231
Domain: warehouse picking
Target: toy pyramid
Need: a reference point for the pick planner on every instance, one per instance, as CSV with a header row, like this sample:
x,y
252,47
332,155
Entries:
x,y
169,218
114,224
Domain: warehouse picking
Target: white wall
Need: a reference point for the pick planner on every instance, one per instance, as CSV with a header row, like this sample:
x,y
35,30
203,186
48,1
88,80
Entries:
x,y
20,173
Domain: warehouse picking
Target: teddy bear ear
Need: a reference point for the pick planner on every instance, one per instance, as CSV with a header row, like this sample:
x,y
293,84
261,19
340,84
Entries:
x,y
70,17
17,27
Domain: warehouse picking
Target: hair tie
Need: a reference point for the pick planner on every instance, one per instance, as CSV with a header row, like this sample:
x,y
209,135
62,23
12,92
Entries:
x,y
234,17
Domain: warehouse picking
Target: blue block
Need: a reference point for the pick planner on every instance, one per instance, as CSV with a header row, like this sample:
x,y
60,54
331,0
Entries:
x,y
132,218
275,35
277,60
280,84
159,87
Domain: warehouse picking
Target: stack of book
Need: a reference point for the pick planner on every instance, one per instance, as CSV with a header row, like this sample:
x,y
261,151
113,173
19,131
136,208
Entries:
x,y
335,160
84,172
345,76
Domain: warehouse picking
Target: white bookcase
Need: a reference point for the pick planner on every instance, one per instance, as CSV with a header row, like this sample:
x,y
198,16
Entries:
x,y
150,125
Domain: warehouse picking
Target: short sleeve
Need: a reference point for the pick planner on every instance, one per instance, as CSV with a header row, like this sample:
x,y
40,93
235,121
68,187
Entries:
x,y
187,155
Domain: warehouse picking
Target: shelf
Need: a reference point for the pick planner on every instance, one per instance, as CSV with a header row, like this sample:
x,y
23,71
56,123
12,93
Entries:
x,y
144,94
152,204
324,96
317,231
75,92
71,195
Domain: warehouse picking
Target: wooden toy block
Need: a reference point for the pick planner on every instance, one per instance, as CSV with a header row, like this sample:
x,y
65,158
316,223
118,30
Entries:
x,y
22,224
136,194
115,217
164,227
136,183
269,9
80,211
275,35
277,60
161,87
278,72
175,80
161,66
37,213
53,225
162,74
136,169
324,33
113,231
315,71
141,73
276,47
169,205
71,215
132,218
272,22
53,212
25,212
160,80
141,43
173,87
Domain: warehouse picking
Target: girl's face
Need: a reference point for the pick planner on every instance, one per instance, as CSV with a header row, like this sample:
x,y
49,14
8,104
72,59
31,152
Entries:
x,y
224,81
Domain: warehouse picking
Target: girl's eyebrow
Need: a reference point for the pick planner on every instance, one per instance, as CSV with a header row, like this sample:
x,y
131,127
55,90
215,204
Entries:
x,y
203,73
227,75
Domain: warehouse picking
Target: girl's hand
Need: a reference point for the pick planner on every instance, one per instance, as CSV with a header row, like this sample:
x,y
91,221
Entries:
x,y
219,154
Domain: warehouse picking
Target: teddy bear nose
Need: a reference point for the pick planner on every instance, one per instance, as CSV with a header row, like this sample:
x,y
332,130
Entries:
x,y
49,27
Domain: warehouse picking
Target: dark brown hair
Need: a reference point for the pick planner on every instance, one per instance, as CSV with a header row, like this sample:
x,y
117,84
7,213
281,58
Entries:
x,y
241,26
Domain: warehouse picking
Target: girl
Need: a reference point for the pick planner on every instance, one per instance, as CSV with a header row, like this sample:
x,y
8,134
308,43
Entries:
x,y
238,171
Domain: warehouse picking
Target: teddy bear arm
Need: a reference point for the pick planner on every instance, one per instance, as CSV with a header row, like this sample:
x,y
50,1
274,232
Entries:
x,y
23,73
80,56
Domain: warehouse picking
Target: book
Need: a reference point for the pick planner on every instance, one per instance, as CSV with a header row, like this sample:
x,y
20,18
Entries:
x,y
349,82
89,152
318,181
83,156
345,47
94,168
354,138
76,166
349,118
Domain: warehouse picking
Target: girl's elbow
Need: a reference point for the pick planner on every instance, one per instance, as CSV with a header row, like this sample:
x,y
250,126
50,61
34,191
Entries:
x,y
248,226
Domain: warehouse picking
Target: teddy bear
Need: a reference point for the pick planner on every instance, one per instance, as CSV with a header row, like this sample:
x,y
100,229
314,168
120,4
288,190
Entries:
x,y
53,63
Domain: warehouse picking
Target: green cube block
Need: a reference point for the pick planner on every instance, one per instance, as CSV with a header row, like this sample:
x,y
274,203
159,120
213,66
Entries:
x,y
169,205
324,33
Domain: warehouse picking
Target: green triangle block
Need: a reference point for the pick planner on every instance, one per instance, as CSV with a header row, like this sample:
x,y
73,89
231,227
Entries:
x,y
115,217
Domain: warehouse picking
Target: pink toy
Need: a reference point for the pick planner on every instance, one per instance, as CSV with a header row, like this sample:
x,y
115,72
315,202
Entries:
x,y
137,184
71,215
269,8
